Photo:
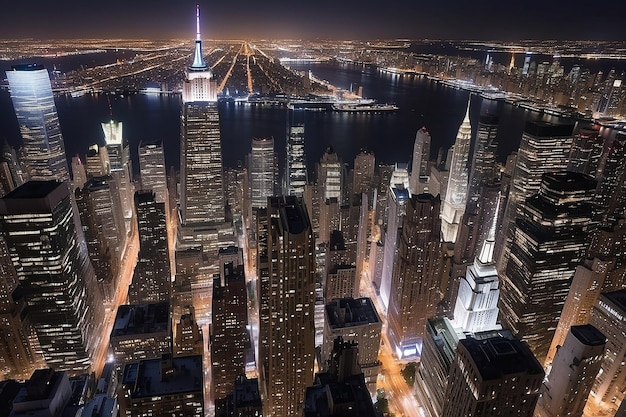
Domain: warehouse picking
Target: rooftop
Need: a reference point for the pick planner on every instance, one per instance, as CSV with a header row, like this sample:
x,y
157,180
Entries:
x,y
141,318
165,376
346,312
499,357
588,335
618,298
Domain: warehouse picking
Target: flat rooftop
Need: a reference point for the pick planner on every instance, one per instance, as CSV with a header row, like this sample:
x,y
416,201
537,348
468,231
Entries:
x,y
346,312
152,378
141,319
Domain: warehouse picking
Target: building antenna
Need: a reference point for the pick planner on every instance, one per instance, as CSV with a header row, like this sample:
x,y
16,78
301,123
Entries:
x,y
197,22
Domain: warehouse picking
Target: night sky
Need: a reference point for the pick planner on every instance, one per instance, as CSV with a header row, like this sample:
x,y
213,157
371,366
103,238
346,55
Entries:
x,y
314,19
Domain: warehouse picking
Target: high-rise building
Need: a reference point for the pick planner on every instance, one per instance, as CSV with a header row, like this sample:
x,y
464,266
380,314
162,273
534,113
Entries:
x,y
152,277
565,390
494,376
545,147
609,317
476,308
163,387
43,151
586,152
610,195
397,200
79,174
11,175
421,156
583,294
119,166
286,307
228,338
330,176
341,278
102,256
188,338
354,320
453,204
296,171
202,194
363,173
141,331
414,289
484,156
152,168
56,279
549,242
262,171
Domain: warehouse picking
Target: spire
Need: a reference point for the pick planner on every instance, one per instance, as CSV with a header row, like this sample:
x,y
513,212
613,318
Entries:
x,y
486,253
198,59
466,120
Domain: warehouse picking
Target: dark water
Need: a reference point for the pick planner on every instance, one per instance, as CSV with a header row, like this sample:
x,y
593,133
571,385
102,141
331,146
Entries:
x,y
390,136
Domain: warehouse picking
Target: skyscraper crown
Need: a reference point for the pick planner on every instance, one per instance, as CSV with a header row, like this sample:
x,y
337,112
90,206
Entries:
x,y
198,60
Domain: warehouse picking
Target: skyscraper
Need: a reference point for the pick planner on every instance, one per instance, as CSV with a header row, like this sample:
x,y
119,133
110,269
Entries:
x,y
229,338
152,277
363,174
43,150
118,160
576,364
330,175
549,242
419,167
545,147
56,279
414,288
287,301
609,317
202,194
490,377
453,204
262,171
296,172
152,168
484,156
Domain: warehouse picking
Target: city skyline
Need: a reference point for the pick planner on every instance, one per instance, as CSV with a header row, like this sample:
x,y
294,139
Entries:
x,y
324,19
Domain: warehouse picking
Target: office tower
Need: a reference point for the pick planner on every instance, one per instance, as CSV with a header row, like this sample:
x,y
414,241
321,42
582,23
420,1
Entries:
x,y
329,218
59,289
476,308
229,338
243,401
188,338
419,167
101,254
286,307
495,376
608,317
18,353
341,278
330,175
545,147
262,171
610,195
11,175
586,151
363,174
397,200
46,393
152,276
439,173
576,364
453,204
79,174
165,387
202,194
119,167
97,164
152,168
414,289
43,151
236,189
189,266
582,296
549,242
104,198
341,390
141,331
354,320
296,172
484,156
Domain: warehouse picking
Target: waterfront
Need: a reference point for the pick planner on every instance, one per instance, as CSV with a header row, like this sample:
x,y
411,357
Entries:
x,y
422,102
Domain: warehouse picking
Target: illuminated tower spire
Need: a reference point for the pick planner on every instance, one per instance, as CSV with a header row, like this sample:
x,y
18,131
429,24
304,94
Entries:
x,y
198,60
486,253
